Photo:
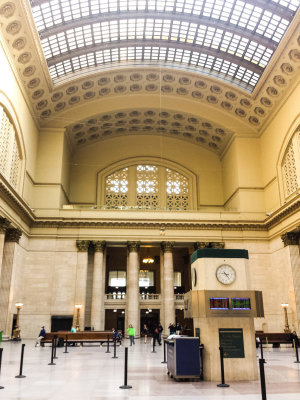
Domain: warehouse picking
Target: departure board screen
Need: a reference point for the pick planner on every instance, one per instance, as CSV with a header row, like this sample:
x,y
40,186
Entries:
x,y
240,303
219,303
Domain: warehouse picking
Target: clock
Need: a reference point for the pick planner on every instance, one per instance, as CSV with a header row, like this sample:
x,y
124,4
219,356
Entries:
x,y
225,274
194,277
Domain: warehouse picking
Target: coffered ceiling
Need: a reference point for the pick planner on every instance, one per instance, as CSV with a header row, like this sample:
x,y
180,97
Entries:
x,y
238,58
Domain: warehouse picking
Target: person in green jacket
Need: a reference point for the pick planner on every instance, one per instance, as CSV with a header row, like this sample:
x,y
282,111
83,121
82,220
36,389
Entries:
x,y
131,333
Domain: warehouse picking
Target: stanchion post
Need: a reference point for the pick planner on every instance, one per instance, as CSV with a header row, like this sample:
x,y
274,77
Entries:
x,y
115,348
107,351
125,386
66,345
165,361
223,384
21,363
262,352
153,350
55,346
52,353
296,351
262,379
1,350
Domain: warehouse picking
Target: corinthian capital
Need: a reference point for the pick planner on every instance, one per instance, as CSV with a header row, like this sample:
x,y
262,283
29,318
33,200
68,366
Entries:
x,y
167,247
99,245
4,224
82,245
290,238
133,246
13,235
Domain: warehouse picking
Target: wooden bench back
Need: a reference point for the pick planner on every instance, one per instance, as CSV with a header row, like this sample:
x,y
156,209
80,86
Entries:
x,y
81,335
274,337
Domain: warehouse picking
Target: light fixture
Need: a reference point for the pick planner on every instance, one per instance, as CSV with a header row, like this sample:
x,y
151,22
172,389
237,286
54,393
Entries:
x,y
78,307
17,330
123,312
148,260
147,312
115,310
150,310
285,307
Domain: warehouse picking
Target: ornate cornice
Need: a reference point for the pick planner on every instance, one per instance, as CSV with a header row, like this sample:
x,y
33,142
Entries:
x,y
205,245
13,235
291,238
99,245
82,245
133,247
167,247
4,224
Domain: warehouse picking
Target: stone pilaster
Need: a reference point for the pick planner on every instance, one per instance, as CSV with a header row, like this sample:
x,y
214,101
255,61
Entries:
x,y
168,284
98,312
4,224
291,242
132,315
7,278
81,279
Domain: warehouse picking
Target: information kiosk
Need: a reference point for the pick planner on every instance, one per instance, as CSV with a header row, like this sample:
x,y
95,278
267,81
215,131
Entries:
x,y
223,308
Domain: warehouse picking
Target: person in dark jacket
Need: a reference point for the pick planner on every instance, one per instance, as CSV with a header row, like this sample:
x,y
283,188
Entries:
x,y
160,329
41,336
155,334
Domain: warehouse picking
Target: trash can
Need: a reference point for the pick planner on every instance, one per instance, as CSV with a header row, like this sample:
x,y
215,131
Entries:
x,y
1,336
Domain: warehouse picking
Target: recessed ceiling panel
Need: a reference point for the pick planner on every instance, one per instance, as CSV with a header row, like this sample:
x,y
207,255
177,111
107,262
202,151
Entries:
x,y
231,39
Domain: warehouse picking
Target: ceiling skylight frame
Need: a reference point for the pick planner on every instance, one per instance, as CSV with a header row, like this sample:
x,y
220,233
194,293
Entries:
x,y
247,31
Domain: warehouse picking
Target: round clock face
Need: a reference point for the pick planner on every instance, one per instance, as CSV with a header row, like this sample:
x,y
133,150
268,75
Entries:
x,y
194,277
226,274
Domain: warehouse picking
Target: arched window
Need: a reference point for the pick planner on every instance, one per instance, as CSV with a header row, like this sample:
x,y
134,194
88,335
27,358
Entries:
x,y
291,166
147,186
10,160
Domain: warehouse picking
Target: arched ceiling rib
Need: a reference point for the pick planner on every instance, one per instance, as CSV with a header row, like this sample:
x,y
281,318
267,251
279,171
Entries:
x,y
232,38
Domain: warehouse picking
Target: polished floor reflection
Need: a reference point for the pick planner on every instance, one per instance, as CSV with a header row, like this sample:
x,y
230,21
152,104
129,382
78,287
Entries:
x,y
87,373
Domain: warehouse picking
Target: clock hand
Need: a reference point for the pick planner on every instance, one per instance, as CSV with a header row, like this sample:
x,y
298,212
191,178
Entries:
x,y
225,274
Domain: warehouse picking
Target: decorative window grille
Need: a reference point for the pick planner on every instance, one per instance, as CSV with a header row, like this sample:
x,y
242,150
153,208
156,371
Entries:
x,y
10,161
147,186
116,195
177,187
289,171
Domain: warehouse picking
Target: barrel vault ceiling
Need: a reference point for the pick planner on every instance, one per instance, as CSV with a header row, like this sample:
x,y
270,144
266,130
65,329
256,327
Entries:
x,y
238,58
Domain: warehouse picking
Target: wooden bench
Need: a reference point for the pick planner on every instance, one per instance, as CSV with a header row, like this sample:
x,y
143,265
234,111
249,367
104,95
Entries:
x,y
276,339
80,337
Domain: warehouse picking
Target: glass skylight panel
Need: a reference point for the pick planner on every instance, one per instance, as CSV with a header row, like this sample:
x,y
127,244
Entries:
x,y
69,26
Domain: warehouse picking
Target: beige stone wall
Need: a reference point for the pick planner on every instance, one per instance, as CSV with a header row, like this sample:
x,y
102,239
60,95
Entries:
x,y
45,281
87,162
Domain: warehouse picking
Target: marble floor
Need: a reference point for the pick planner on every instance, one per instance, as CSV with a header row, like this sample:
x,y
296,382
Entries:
x,y
88,373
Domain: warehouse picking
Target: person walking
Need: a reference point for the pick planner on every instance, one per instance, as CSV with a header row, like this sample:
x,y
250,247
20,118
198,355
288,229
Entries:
x,y
131,333
145,333
160,329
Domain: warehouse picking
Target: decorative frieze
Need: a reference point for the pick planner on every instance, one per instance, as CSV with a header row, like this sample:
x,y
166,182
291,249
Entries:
x,y
13,235
133,246
99,245
82,245
4,224
207,245
167,247
290,238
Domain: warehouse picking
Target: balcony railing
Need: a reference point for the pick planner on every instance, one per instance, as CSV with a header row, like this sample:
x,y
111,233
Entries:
x,y
179,297
116,296
148,296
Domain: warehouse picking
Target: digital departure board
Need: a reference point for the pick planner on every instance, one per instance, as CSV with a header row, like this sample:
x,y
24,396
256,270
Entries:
x,y
242,303
219,303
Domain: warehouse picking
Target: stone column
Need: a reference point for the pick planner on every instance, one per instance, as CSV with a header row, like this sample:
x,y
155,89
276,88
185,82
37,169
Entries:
x,y
81,277
6,284
132,287
291,241
168,276
4,224
98,293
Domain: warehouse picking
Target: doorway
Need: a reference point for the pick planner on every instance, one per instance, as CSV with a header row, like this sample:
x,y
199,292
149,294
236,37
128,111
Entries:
x,y
115,319
150,318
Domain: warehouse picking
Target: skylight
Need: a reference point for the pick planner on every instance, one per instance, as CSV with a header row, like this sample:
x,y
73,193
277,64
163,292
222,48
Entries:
x,y
230,38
